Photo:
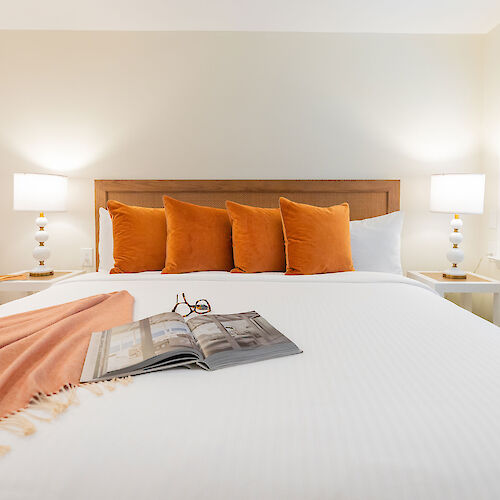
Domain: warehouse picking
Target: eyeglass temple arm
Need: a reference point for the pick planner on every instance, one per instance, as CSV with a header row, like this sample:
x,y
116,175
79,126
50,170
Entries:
x,y
176,302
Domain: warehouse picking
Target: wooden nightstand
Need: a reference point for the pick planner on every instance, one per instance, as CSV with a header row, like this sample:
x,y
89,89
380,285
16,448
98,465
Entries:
x,y
474,283
32,285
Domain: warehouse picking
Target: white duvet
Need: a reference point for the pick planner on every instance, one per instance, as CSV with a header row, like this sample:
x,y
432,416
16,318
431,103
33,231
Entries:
x,y
396,396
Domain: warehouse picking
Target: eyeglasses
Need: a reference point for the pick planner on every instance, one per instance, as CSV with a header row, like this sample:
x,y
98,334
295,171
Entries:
x,y
184,308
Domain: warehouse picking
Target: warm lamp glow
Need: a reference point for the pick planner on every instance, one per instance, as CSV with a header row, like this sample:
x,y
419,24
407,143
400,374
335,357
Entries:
x,y
40,193
457,193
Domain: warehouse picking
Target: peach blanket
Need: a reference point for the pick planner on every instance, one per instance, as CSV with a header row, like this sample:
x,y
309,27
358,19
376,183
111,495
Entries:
x,y
43,351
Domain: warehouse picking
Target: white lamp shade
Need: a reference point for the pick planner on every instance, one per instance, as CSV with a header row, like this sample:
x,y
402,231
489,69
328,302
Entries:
x,y
40,192
457,193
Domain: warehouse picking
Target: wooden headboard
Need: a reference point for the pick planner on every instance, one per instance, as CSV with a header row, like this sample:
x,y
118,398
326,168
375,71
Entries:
x,y
366,198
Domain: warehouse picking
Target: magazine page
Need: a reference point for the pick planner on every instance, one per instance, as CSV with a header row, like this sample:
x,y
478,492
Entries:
x,y
150,344
228,339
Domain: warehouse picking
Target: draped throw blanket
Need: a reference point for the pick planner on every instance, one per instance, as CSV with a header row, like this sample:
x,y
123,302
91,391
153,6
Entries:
x,y
42,352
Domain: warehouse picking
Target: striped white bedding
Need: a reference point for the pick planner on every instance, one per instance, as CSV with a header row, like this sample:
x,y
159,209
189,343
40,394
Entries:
x,y
396,396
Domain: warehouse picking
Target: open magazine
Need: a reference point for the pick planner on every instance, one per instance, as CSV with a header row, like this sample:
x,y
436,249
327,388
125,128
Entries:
x,y
167,340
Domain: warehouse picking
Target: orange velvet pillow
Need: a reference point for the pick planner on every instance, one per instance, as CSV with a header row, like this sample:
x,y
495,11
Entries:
x,y
139,238
198,238
258,244
317,239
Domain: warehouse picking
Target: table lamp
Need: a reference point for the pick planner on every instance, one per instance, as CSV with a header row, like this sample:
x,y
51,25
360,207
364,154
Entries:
x,y
457,194
40,193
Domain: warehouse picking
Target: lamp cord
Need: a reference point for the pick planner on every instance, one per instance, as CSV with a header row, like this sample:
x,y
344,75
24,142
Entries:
x,y
479,263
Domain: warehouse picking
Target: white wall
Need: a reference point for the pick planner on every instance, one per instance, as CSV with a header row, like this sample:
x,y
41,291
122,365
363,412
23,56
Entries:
x,y
237,105
490,238
491,162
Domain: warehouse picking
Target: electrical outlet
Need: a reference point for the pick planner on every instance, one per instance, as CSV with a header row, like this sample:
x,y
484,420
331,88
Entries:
x,y
87,257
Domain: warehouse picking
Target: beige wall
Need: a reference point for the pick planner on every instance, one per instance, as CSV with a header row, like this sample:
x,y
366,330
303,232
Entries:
x,y
490,240
237,105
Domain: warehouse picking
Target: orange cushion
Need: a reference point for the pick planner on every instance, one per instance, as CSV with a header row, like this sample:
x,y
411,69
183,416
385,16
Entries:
x,y
139,238
258,244
198,238
317,239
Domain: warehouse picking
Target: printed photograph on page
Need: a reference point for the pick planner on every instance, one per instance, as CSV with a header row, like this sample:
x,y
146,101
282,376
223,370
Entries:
x,y
217,333
130,344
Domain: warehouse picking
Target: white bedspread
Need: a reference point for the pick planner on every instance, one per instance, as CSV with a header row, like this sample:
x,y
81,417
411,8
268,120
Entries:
x,y
396,396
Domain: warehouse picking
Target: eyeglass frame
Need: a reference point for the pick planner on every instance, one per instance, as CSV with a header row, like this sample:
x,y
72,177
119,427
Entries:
x,y
192,307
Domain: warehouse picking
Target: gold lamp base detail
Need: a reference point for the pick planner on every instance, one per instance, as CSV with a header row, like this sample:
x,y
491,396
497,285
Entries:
x,y
39,275
455,276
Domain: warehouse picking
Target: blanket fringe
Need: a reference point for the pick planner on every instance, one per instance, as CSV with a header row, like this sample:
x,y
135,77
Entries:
x,y
93,388
4,450
18,424
124,381
50,406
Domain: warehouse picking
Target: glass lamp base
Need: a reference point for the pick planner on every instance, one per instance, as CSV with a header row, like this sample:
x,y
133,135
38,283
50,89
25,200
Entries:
x,y
454,274
41,270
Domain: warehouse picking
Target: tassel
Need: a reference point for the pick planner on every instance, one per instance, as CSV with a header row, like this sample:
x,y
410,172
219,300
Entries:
x,y
52,404
4,450
69,392
37,417
72,396
94,388
109,385
125,380
17,424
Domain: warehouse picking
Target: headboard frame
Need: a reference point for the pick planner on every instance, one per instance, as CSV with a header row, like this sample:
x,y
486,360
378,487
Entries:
x,y
366,198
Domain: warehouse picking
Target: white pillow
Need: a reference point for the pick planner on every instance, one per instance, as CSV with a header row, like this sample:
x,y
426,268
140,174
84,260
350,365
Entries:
x,y
106,261
376,243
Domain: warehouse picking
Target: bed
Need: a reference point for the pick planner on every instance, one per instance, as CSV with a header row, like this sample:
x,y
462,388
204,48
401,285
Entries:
x,y
396,396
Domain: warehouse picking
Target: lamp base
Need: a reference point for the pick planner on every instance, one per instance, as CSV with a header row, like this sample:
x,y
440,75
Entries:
x,y
455,255
41,270
454,274
41,252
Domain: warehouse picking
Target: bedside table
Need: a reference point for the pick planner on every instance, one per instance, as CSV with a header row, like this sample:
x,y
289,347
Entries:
x,y
474,283
32,285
